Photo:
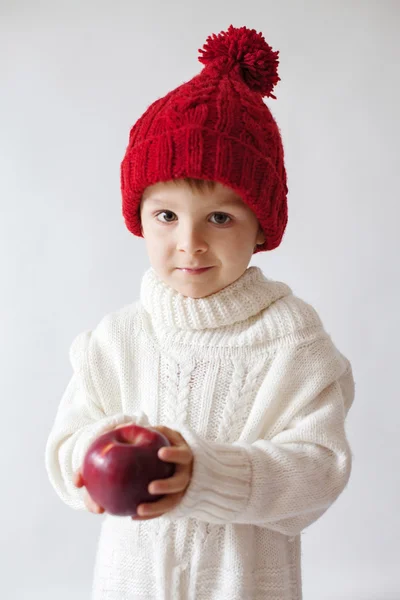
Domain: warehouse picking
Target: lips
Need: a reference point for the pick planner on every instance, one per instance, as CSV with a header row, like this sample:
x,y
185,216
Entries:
x,y
198,270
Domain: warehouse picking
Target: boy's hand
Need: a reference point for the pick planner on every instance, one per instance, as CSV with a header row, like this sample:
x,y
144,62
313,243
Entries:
x,y
174,487
90,504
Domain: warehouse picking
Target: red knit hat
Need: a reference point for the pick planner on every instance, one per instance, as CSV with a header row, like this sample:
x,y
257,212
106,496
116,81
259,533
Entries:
x,y
216,127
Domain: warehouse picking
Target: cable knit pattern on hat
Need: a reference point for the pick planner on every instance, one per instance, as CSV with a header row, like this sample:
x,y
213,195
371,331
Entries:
x,y
256,386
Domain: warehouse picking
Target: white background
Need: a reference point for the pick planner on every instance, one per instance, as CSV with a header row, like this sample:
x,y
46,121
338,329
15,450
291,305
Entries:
x,y
75,76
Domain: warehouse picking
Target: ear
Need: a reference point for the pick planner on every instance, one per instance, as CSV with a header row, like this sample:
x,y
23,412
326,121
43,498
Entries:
x,y
260,237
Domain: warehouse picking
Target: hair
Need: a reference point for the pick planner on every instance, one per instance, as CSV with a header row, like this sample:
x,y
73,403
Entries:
x,y
200,185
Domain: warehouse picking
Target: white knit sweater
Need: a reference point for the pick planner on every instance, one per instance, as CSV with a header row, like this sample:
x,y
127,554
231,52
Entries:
x,y
259,391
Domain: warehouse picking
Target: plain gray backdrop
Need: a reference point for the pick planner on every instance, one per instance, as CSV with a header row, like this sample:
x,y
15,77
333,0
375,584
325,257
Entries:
x,y
75,76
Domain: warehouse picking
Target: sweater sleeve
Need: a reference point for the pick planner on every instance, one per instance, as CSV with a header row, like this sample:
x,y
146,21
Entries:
x,y
83,414
284,483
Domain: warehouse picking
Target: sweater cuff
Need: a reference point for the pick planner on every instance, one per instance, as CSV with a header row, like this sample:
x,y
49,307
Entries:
x,y
219,490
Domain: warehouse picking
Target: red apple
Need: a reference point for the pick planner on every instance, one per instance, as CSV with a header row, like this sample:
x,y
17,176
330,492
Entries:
x,y
120,464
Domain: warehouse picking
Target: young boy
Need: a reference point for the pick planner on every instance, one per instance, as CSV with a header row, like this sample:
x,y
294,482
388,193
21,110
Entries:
x,y
236,370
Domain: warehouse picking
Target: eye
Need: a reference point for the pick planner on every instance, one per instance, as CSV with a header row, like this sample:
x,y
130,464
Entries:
x,y
223,215
163,213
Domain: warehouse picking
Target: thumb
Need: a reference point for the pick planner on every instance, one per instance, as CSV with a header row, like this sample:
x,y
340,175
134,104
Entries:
x,y
78,479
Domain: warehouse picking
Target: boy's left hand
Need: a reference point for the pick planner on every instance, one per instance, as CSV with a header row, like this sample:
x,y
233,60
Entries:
x,y
174,487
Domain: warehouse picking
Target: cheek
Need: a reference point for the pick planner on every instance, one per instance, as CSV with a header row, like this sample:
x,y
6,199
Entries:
x,y
235,239
158,248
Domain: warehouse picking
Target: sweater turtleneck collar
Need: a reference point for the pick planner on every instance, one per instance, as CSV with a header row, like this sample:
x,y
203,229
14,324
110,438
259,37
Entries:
x,y
240,300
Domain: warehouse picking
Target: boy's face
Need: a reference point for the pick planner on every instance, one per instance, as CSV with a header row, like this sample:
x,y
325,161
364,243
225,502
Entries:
x,y
188,228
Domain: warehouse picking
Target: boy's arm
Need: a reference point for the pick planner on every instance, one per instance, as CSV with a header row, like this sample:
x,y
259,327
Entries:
x,y
81,417
284,483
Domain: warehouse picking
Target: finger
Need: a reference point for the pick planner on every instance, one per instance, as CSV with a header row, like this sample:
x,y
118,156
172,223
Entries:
x,y
161,506
181,455
146,518
174,437
171,485
78,479
89,503
96,509
92,505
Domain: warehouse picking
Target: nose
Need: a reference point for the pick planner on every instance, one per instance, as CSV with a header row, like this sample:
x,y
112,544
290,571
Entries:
x,y
191,241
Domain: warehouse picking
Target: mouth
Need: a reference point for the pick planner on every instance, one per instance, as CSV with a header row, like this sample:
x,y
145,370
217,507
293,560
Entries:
x,y
195,271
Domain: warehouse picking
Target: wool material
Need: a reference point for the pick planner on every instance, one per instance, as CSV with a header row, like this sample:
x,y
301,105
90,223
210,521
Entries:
x,y
255,385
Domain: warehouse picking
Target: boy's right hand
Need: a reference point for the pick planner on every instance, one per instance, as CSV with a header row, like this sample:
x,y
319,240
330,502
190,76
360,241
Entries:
x,y
91,505
77,480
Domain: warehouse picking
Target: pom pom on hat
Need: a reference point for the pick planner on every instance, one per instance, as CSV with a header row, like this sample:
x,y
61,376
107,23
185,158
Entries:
x,y
247,49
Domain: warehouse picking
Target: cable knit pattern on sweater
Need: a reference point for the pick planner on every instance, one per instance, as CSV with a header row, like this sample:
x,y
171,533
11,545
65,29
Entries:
x,y
256,386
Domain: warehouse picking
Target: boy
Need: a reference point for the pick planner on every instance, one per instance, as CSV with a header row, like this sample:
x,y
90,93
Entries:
x,y
237,371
